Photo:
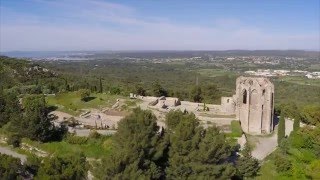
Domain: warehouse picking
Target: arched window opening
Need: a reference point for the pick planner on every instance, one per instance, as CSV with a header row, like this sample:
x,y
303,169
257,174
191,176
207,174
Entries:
x,y
254,99
263,92
227,100
244,97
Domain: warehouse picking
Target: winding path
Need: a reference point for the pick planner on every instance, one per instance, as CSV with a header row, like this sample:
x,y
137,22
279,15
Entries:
x,y
8,151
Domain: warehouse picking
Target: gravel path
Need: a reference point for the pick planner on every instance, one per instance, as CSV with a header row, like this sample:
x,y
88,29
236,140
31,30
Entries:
x,y
8,151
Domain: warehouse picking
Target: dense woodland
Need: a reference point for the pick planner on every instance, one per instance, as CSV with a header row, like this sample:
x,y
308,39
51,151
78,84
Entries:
x,y
140,149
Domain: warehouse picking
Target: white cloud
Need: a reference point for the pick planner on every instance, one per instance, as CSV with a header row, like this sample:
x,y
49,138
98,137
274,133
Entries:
x,y
85,25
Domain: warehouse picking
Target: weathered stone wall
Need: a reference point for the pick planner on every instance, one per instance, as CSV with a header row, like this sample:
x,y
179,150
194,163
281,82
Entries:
x,y
228,105
254,104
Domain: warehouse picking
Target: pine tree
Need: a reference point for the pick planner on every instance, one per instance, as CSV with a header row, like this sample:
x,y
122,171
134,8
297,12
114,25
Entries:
x,y
66,85
281,128
247,166
197,153
72,166
9,107
158,90
3,118
139,149
100,85
296,122
196,94
36,123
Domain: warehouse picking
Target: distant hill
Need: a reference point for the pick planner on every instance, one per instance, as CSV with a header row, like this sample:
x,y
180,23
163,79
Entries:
x,y
18,71
177,54
158,54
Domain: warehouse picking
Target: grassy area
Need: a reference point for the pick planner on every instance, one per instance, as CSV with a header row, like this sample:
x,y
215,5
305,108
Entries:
x,y
236,130
93,148
213,72
267,171
301,80
315,67
217,115
71,102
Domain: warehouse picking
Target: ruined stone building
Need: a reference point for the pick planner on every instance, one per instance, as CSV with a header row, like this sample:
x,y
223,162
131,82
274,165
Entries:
x,y
253,104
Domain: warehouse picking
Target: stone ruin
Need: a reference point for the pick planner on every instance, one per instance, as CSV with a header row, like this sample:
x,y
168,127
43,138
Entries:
x,y
253,104
164,102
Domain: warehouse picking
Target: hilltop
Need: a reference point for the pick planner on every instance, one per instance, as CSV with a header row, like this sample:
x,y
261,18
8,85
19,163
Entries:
x,y
19,71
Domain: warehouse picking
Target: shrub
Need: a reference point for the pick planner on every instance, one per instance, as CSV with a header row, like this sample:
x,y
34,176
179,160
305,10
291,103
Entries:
x,y
94,134
84,94
314,169
115,90
33,164
72,139
236,129
10,167
282,162
14,140
281,128
72,166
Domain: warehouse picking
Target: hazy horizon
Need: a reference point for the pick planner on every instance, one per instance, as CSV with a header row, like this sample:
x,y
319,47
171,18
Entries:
x,y
98,25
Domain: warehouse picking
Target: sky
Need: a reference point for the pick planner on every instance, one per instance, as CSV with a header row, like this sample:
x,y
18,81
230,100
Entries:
x,y
66,25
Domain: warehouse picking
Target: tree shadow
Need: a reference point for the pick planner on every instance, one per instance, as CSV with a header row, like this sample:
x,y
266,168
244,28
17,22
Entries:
x,y
52,108
275,121
87,99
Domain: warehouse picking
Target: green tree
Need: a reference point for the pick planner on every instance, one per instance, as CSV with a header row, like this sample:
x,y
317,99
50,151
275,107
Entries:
x,y
296,122
100,85
10,167
66,85
115,90
196,94
158,90
36,123
282,162
173,118
311,114
14,140
247,166
140,90
71,167
314,169
84,94
195,152
3,118
211,93
139,149
33,164
9,107
281,128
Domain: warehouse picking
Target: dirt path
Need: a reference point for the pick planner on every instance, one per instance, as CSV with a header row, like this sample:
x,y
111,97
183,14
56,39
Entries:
x,y
8,151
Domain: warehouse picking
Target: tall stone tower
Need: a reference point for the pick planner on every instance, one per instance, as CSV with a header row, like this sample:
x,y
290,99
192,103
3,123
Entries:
x,y
255,104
